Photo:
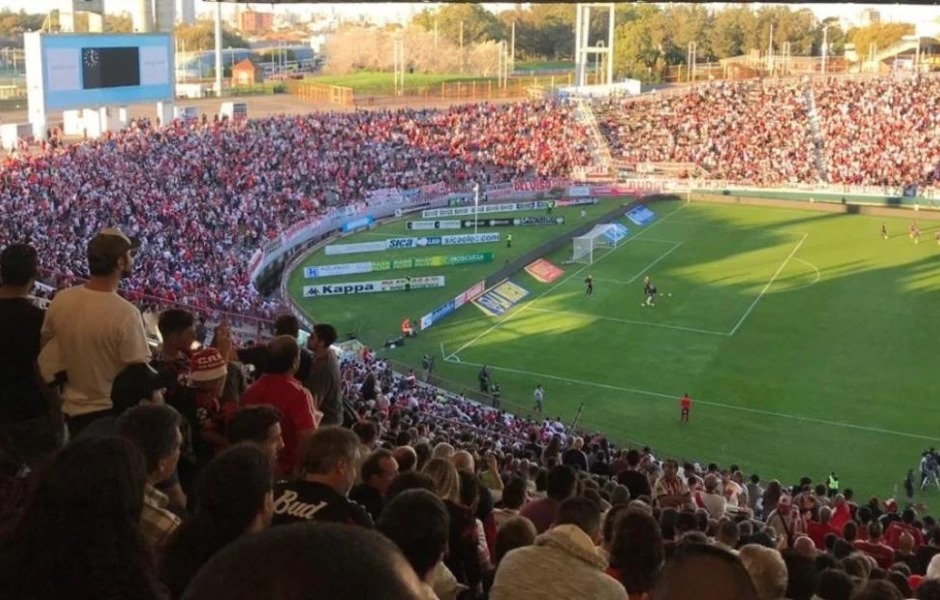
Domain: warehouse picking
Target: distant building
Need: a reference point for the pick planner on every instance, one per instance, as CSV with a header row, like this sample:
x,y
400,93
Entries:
x,y
869,16
246,73
186,12
255,22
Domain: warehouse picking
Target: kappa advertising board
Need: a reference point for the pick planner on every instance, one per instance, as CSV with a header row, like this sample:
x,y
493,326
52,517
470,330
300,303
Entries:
x,y
372,287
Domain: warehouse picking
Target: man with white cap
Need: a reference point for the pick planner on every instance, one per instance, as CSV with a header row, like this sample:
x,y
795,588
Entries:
x,y
91,333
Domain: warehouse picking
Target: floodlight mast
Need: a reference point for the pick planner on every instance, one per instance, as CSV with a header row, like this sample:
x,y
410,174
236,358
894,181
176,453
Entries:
x,y
582,44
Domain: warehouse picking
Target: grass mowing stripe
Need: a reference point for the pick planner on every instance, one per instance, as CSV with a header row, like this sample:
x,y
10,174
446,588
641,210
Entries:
x,y
750,308
628,321
756,411
550,289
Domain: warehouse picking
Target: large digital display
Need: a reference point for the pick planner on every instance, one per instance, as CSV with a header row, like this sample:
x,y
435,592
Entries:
x,y
110,67
87,70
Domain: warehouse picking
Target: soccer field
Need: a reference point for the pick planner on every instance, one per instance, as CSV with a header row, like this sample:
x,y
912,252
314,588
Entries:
x,y
804,339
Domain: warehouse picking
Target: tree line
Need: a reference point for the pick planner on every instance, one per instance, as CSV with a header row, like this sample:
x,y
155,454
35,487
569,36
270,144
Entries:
x,y
649,38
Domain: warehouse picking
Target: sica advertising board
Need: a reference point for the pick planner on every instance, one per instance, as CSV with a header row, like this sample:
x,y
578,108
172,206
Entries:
x,y
413,242
372,287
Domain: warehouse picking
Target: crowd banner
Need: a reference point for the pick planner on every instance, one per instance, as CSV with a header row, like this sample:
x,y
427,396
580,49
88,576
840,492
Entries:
x,y
356,224
335,249
372,287
402,263
579,191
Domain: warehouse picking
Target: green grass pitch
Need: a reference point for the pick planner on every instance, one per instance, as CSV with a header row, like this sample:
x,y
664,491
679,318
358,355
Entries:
x,y
805,339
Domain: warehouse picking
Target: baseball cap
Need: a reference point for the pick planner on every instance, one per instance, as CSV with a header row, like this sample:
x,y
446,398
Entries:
x,y
110,244
208,365
137,382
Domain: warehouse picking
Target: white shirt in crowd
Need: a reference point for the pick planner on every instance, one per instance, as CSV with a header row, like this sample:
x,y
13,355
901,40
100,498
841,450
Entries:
x,y
92,336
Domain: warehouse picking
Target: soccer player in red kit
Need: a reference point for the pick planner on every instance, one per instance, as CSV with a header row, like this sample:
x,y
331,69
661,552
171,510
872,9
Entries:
x,y
685,404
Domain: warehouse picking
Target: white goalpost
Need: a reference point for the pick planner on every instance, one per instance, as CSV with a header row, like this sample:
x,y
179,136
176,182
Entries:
x,y
601,236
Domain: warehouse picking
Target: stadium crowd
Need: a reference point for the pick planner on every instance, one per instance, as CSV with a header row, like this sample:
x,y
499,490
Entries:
x,y
205,195
277,471
878,132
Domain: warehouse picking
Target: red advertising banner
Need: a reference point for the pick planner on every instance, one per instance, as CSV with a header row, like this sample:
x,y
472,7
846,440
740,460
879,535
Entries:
x,y
544,271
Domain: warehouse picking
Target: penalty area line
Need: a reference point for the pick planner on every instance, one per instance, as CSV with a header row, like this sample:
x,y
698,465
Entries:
x,y
514,313
776,274
755,411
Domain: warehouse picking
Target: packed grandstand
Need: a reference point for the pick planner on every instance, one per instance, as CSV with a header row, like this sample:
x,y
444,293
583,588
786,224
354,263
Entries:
x,y
166,487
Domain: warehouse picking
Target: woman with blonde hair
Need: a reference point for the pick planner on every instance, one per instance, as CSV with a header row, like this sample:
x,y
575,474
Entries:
x,y
463,559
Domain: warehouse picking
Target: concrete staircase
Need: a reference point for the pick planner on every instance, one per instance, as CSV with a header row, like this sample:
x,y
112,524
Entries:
x,y
602,163
818,146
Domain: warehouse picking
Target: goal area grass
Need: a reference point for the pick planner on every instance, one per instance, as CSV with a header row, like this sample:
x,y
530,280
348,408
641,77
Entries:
x,y
805,340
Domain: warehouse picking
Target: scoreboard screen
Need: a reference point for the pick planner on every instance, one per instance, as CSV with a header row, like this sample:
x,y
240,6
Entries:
x,y
110,67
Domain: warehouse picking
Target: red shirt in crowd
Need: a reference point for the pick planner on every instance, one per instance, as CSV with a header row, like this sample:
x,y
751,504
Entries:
x,y
894,531
294,401
883,554
817,532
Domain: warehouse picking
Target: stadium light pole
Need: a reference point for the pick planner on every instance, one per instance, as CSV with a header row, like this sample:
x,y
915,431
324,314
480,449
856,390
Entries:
x,y
825,46
218,49
476,206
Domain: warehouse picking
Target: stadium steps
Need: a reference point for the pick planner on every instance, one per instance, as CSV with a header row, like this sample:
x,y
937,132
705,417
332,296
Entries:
x,y
600,150
813,114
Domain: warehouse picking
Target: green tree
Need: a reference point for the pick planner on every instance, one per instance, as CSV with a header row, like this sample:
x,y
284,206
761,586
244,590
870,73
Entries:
x,y
15,23
690,23
477,23
835,37
121,23
882,35
799,28
554,24
642,48
201,36
728,36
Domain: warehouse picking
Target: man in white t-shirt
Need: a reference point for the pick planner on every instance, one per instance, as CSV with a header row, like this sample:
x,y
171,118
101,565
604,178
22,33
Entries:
x,y
91,333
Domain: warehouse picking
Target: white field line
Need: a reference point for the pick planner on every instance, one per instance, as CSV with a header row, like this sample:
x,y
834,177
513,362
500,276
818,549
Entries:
x,y
813,282
646,268
547,291
776,274
629,321
674,397
655,262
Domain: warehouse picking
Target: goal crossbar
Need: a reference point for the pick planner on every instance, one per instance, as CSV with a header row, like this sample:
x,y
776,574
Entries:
x,y
608,235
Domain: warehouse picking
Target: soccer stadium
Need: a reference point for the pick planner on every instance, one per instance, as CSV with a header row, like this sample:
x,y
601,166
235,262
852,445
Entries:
x,y
648,323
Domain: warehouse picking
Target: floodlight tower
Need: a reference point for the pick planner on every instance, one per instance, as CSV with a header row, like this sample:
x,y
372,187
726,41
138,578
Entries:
x,y
582,44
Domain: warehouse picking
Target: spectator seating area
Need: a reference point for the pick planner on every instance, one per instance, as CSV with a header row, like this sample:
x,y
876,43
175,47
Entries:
x,y
878,132
237,471
503,507
204,196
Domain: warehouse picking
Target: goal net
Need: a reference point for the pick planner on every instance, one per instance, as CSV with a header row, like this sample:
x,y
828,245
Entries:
x,y
609,235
